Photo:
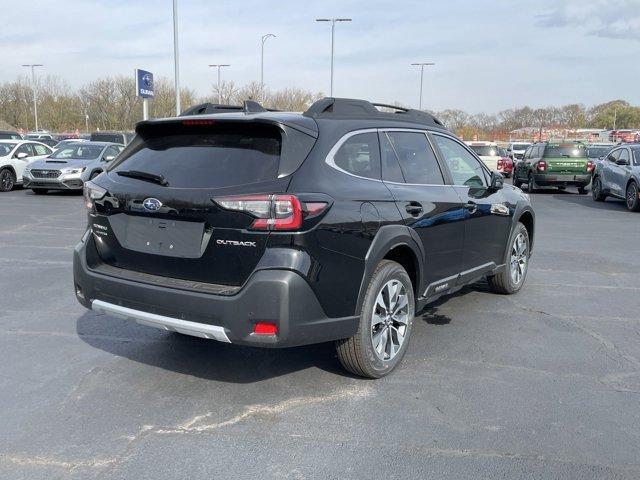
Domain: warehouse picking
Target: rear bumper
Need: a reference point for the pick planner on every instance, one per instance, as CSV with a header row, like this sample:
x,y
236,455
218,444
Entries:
x,y
553,179
282,297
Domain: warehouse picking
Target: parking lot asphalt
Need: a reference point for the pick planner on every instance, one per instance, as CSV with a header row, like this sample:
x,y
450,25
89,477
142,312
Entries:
x,y
542,384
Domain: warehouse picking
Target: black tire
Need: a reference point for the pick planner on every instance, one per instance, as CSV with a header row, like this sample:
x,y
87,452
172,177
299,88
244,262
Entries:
x,y
503,282
358,354
596,190
531,184
631,197
40,191
582,190
516,182
7,180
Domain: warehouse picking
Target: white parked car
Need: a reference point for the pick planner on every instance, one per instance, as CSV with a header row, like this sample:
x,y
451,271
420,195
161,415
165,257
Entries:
x,y
488,152
15,155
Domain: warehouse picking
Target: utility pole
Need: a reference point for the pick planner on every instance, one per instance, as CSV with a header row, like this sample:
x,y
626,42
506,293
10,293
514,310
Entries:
x,y
264,39
422,65
333,34
35,91
219,66
176,59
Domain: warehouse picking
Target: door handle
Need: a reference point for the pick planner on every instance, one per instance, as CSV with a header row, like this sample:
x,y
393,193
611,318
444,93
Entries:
x,y
413,208
471,206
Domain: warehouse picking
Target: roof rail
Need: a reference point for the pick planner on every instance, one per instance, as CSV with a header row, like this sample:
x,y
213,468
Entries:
x,y
349,107
248,106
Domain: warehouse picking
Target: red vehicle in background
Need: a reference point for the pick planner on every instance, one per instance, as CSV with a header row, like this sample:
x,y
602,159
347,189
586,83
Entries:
x,y
626,135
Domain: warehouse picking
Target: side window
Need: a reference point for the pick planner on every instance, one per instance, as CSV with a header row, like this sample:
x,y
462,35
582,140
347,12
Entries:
x,y
417,160
40,149
360,155
636,157
111,151
527,154
539,152
390,167
624,155
464,168
615,154
24,148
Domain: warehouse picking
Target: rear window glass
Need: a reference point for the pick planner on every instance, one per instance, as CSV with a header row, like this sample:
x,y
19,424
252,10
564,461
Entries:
x,y
485,150
520,146
565,151
107,137
360,155
595,152
208,160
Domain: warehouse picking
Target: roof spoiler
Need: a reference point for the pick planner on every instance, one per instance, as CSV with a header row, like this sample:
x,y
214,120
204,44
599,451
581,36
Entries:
x,y
248,106
330,107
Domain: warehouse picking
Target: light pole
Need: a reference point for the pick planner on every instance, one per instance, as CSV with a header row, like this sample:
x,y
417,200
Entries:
x,y
422,65
333,34
33,87
176,56
219,66
264,39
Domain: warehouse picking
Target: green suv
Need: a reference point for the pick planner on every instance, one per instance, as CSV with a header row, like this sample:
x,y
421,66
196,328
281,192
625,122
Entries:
x,y
554,164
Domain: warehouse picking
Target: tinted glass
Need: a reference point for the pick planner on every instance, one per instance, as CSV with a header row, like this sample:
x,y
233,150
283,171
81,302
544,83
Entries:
x,y
24,148
565,151
636,156
417,160
360,155
486,151
5,148
464,168
79,151
208,160
107,137
390,167
9,136
615,154
519,146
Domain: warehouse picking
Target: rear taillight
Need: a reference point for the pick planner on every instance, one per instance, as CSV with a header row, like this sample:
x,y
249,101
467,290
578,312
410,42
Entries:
x,y
92,192
500,164
589,166
542,165
272,212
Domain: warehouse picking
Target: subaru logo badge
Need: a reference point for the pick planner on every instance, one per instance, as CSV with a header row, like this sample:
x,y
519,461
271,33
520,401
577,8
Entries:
x,y
147,80
152,204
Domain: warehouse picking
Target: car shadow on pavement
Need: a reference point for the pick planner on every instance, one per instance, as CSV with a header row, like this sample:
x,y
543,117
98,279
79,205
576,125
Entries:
x,y
588,201
206,359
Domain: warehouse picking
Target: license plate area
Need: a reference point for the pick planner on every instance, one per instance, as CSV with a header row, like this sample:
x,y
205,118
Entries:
x,y
170,238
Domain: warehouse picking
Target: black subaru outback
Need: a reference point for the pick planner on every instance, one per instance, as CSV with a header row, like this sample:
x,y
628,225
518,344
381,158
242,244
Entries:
x,y
278,229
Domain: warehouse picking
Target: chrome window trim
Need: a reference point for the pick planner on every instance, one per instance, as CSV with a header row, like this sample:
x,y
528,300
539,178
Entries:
x,y
329,160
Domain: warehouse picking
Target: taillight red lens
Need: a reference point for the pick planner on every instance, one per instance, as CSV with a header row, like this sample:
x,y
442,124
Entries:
x,y
589,166
542,165
272,212
265,328
500,164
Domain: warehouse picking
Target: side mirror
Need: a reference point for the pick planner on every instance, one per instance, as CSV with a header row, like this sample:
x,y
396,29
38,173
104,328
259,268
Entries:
x,y
21,156
622,161
108,158
497,181
611,158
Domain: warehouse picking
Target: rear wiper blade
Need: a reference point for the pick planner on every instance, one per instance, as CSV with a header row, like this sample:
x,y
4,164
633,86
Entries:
x,y
147,177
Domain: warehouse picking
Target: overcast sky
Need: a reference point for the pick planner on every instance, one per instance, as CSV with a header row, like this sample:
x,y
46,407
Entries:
x,y
489,54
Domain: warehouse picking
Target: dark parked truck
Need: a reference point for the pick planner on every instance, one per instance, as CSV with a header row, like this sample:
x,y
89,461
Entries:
x,y
554,164
278,229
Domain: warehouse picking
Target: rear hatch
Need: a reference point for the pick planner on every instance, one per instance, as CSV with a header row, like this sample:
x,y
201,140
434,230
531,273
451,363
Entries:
x,y
184,199
566,158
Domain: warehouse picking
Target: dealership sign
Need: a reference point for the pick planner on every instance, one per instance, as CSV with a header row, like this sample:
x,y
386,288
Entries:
x,y
144,84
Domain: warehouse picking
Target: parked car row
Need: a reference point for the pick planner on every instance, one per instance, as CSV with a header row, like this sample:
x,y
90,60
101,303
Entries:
x,y
38,167
618,176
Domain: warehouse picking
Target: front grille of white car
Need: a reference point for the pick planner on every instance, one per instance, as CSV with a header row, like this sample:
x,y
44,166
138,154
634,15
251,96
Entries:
x,y
45,173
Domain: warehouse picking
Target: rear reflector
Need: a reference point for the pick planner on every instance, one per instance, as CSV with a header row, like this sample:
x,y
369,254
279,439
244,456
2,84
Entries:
x,y
265,328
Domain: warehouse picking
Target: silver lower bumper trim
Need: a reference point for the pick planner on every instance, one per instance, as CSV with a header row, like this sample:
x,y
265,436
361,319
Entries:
x,y
185,327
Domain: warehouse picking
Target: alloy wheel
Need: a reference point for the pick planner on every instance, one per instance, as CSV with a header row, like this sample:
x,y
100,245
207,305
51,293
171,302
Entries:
x,y
390,319
6,181
519,259
632,195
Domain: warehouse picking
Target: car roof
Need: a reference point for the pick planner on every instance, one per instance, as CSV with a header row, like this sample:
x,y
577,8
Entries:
x,y
480,143
99,144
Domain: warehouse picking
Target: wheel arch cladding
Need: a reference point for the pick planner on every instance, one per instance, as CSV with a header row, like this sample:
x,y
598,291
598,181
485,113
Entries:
x,y
397,243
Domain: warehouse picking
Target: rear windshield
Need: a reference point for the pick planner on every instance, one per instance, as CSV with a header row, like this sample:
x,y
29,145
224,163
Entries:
x,y
565,151
10,136
486,151
596,152
520,146
209,160
107,137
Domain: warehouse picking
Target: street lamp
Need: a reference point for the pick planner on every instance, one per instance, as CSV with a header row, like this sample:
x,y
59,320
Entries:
x,y
333,32
176,69
219,66
33,87
264,39
422,65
